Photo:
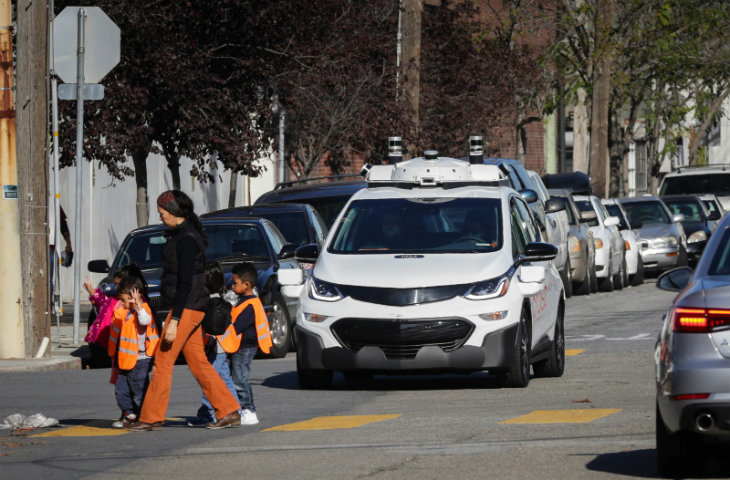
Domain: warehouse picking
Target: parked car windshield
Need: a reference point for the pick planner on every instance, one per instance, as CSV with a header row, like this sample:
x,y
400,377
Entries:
x,y
689,208
711,206
585,206
420,225
646,212
293,225
615,211
721,260
717,183
224,241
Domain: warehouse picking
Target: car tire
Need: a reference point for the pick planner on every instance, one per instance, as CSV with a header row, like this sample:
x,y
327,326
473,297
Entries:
x,y
554,365
638,278
280,328
606,285
586,285
518,373
671,450
594,278
313,379
567,278
618,279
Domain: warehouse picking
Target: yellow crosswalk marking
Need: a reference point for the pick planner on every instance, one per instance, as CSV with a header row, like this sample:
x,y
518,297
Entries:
x,y
574,351
92,429
563,416
332,422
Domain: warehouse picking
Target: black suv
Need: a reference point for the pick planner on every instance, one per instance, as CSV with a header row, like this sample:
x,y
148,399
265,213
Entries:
x,y
328,195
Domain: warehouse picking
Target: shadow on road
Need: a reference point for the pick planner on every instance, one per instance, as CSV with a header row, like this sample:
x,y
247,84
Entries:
x,y
642,464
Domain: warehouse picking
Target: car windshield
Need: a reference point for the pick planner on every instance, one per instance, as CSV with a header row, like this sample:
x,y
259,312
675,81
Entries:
x,y
720,264
711,206
689,208
224,242
615,211
717,183
420,225
328,207
293,225
585,206
646,212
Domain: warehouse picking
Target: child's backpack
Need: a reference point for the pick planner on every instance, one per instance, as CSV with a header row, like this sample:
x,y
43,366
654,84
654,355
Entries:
x,y
217,316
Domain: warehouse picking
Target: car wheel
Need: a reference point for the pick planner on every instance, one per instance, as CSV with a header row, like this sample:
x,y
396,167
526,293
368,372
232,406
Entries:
x,y
280,328
567,278
594,278
554,365
585,286
313,379
671,450
606,284
518,374
638,277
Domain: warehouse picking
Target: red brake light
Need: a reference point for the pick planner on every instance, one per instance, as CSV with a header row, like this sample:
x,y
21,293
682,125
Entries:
x,y
690,396
699,320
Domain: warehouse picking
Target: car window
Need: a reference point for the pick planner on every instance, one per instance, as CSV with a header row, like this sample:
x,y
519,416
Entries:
x,y
419,225
602,213
720,264
711,206
717,183
143,249
519,237
275,237
646,212
320,228
231,241
689,208
328,207
292,225
527,224
586,206
615,211
569,211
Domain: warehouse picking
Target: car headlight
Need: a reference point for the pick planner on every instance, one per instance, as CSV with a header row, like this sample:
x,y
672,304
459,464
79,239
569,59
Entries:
x,y
325,291
698,236
668,241
493,288
598,242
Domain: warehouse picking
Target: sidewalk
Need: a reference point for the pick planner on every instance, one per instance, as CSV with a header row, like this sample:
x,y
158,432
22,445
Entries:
x,y
64,354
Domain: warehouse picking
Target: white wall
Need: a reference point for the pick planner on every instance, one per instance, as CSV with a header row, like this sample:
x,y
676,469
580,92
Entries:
x,y
108,210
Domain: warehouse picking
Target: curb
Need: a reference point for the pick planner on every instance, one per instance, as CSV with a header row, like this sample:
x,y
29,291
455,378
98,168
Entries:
x,y
40,365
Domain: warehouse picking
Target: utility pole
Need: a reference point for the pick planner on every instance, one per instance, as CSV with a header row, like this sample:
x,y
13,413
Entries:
x,y
410,66
32,100
12,344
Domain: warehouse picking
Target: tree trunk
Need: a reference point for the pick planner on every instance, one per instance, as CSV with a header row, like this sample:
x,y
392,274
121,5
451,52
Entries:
x,y
580,134
599,162
139,158
232,186
173,163
410,68
701,131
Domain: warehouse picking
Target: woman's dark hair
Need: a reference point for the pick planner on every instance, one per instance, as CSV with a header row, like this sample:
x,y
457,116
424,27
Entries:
x,y
132,270
186,210
215,281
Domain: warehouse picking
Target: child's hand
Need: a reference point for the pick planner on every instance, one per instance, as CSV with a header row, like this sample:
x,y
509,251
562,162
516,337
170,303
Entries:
x,y
136,298
88,286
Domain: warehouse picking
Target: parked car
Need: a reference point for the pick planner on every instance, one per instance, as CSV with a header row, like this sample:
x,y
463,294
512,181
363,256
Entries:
x,y
662,244
577,183
630,233
581,246
610,249
692,358
698,222
712,204
229,241
326,194
688,180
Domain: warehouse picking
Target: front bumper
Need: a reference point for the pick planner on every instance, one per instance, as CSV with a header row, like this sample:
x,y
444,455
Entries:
x,y
660,258
495,352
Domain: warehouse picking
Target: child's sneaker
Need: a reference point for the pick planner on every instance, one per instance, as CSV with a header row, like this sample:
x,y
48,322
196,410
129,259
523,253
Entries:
x,y
127,418
249,418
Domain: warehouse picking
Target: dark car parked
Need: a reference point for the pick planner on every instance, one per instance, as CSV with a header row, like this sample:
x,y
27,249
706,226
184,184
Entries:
x,y
328,195
698,222
230,241
577,183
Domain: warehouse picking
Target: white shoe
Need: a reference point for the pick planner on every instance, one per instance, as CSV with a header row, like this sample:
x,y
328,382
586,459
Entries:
x,y
249,418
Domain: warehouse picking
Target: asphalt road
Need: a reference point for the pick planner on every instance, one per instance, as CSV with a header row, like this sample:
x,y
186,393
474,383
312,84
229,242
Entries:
x,y
597,421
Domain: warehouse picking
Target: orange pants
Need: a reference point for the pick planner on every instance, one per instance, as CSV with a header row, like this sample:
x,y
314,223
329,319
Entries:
x,y
154,406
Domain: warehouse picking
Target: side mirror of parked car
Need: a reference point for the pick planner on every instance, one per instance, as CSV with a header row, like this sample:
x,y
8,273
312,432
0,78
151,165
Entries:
x,y
588,216
307,253
611,221
529,195
674,280
555,204
677,218
538,252
714,215
636,225
98,266
288,251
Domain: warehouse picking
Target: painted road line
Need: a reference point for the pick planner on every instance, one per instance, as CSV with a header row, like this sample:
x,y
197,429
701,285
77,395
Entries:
x,y
331,422
563,416
572,352
94,428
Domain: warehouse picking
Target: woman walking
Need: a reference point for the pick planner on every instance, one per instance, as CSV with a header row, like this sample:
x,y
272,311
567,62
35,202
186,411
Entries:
x,y
183,288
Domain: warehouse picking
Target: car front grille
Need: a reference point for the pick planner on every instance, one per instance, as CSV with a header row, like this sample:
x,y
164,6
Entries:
x,y
400,339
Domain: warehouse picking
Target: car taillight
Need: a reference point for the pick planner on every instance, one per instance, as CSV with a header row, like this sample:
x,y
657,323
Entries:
x,y
690,396
699,320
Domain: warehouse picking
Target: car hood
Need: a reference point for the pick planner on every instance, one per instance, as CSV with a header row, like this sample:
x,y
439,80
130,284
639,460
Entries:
x,y
657,230
411,270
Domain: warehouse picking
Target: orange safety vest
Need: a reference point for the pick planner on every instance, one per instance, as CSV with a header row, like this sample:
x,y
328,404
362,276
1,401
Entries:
x,y
232,342
123,337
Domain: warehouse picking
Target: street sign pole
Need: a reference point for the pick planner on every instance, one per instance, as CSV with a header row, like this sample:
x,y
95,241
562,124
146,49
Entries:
x,y
79,158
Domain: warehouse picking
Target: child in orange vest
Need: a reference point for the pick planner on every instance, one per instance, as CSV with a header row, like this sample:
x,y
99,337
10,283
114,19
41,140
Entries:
x,y
249,321
133,340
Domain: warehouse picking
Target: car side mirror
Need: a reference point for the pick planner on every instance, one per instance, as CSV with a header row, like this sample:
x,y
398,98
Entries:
x,y
555,205
287,251
291,281
529,195
636,225
588,216
98,266
538,252
611,221
531,280
674,280
714,215
678,218
307,253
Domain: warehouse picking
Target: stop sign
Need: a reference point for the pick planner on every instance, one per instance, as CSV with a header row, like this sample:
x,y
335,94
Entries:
x,y
101,42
